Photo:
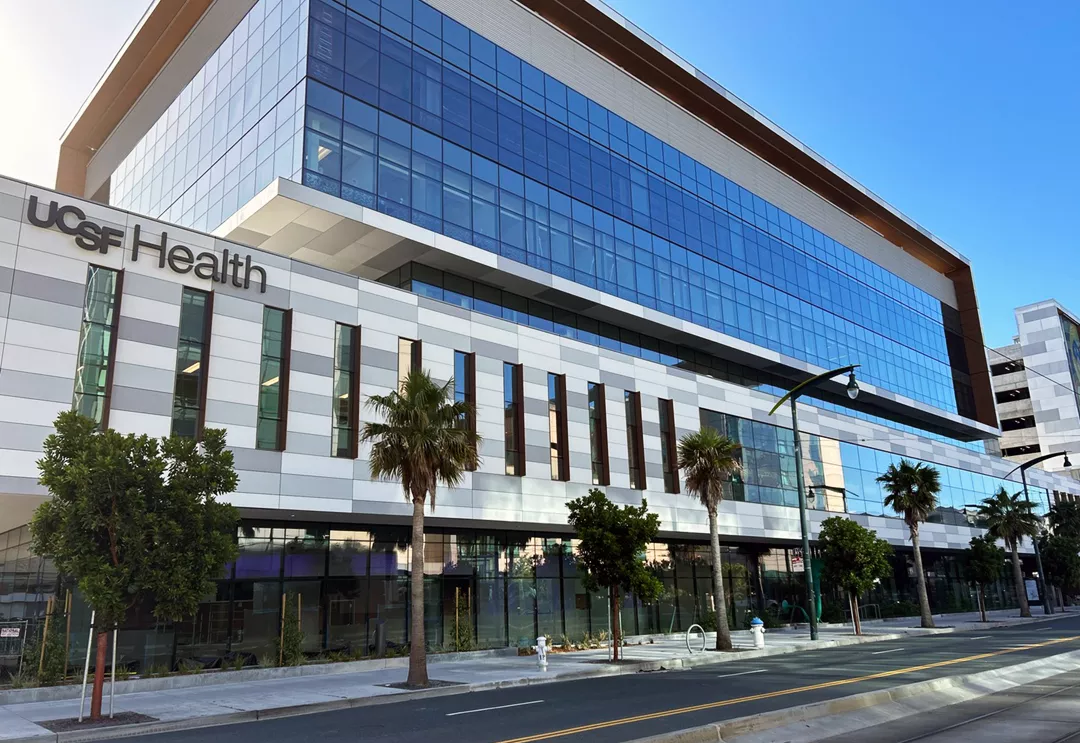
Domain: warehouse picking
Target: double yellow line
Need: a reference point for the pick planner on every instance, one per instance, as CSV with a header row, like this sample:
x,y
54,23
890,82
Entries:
x,y
769,695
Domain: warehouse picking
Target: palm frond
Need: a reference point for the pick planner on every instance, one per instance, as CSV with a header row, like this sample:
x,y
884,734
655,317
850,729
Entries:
x,y
708,460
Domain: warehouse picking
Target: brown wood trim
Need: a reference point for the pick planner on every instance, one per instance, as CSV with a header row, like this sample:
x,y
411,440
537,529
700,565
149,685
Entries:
x,y
159,34
671,467
110,373
974,348
204,364
519,417
601,414
562,427
636,438
607,37
470,393
354,396
286,364
416,358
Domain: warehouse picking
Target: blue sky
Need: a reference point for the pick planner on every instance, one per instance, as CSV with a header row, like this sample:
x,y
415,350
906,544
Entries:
x,y
963,115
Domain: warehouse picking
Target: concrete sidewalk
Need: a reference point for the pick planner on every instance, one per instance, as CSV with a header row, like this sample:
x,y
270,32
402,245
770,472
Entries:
x,y
215,698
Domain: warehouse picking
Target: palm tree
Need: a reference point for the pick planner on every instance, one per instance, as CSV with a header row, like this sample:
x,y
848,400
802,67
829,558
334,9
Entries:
x,y
912,492
422,443
708,460
1010,518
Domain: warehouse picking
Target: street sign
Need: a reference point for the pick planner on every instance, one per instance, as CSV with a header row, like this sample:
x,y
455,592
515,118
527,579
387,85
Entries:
x,y
10,632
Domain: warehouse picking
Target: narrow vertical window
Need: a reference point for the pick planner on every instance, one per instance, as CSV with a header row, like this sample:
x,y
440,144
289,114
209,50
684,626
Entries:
x,y
346,391
465,385
409,358
274,379
668,448
598,434
635,445
514,419
97,344
557,427
192,360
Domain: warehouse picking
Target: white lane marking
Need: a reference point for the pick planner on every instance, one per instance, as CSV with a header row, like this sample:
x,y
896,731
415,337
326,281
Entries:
x,y
883,652
981,637
744,673
488,709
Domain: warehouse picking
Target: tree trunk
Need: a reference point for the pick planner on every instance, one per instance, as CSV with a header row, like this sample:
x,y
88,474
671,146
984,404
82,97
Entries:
x,y
1018,577
418,675
855,612
920,574
723,632
99,675
982,601
616,623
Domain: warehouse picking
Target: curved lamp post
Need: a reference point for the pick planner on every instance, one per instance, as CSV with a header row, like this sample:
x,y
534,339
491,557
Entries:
x,y
1023,468
793,396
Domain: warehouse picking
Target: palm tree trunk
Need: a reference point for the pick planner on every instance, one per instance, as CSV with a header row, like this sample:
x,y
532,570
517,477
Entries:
x,y
616,623
1018,578
418,675
920,575
723,632
854,600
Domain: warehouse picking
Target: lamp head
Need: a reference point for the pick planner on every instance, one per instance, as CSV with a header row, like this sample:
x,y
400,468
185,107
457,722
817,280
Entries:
x,y
1067,463
852,386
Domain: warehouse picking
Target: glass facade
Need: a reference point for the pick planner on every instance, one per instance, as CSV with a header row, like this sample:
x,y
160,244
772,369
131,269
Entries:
x,y
408,357
841,476
101,312
192,359
353,583
557,427
346,383
480,297
234,128
415,115
598,449
273,380
669,457
634,444
513,417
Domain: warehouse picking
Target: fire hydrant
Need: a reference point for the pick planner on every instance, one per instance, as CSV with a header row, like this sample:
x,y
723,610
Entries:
x,y
541,652
757,629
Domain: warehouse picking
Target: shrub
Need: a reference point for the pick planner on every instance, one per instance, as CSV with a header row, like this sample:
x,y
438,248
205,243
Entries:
x,y
833,614
288,645
708,621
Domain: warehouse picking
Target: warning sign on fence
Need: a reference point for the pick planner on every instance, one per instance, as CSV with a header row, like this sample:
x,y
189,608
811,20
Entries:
x,y
10,631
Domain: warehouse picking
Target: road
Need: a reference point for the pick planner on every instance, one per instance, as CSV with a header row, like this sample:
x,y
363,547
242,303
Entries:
x,y
627,707
1043,712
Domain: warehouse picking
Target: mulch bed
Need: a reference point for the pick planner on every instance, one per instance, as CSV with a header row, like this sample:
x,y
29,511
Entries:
x,y
432,684
121,718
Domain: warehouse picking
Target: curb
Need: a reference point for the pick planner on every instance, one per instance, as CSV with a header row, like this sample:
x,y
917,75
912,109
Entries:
x,y
670,664
732,730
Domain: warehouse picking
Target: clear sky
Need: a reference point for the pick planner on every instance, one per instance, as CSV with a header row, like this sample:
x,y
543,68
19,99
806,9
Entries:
x,y
962,114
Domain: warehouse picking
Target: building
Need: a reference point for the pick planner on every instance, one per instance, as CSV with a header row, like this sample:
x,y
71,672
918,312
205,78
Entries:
x,y
266,211
1036,381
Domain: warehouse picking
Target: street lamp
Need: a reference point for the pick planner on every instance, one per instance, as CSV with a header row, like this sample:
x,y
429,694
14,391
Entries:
x,y
804,526
1047,600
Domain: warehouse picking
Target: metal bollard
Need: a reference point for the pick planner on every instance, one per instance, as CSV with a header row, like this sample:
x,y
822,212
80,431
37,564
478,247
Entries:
x,y
757,629
541,652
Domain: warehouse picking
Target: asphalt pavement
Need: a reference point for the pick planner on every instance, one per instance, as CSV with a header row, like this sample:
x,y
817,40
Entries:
x,y
1044,712
624,708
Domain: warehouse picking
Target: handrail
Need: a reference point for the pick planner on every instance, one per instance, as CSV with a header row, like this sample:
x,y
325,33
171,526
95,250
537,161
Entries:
x,y
704,641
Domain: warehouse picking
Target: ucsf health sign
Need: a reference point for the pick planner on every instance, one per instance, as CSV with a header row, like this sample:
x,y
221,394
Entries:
x,y
223,269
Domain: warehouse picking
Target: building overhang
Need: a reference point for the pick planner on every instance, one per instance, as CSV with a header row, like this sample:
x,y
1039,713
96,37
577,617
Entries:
x,y
300,222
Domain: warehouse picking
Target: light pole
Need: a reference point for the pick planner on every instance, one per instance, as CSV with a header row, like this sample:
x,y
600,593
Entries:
x,y
793,395
1047,600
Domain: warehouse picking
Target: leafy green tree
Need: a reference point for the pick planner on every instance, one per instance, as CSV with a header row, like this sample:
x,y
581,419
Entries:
x,y
1010,518
853,558
1061,559
708,460
912,490
421,442
134,518
1065,519
983,565
611,542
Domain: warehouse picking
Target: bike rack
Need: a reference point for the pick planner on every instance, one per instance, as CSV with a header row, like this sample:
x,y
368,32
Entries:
x,y
704,641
